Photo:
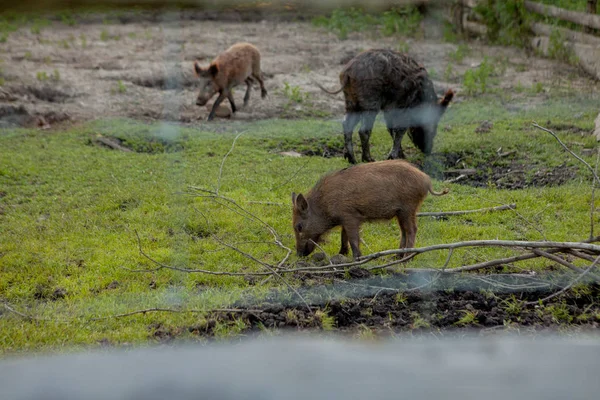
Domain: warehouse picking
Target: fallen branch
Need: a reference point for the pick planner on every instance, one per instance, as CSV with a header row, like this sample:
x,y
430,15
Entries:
x,y
570,285
462,212
561,262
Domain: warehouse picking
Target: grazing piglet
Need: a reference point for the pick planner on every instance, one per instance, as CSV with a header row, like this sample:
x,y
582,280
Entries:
x,y
367,192
238,64
386,80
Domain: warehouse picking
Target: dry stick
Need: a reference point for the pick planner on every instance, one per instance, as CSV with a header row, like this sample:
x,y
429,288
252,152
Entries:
x,y
491,243
223,162
271,269
291,177
569,150
574,281
203,271
582,255
462,212
593,205
171,310
562,262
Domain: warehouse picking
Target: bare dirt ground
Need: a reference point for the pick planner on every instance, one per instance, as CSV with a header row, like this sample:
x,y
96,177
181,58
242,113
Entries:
x,y
143,68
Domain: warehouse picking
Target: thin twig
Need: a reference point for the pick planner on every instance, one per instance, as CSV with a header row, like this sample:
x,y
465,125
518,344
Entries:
x,y
223,162
573,282
291,177
447,213
593,202
569,150
561,262
172,310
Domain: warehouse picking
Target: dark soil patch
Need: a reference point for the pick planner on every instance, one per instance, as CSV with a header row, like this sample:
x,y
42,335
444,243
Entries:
x,y
140,144
458,307
567,128
165,81
11,116
500,171
45,93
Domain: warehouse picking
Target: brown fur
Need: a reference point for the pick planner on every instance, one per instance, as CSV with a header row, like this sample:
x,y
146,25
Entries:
x,y
237,65
367,192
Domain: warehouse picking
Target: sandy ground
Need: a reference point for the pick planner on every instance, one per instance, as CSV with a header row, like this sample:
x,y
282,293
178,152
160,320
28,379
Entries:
x,y
144,69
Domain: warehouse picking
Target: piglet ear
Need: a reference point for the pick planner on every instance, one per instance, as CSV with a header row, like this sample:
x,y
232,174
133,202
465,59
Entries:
x,y
213,70
197,69
293,198
301,204
447,98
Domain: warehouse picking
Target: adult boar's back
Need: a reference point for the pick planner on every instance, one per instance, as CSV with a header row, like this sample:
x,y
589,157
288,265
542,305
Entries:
x,y
395,83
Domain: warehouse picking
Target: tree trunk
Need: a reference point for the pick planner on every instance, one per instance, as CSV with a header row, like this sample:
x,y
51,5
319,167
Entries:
x,y
579,18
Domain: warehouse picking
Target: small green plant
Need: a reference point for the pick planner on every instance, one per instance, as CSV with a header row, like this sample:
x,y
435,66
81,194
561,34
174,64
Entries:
x,y
512,305
401,21
460,53
28,56
67,18
42,76
449,34
47,60
3,37
419,322
294,93
327,322
121,88
470,83
365,333
558,50
478,79
519,88
104,36
449,72
132,35
468,318
507,21
560,313
83,39
401,298
403,46
65,44
537,87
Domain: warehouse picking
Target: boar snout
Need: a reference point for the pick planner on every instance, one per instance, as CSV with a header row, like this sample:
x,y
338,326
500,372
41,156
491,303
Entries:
x,y
304,250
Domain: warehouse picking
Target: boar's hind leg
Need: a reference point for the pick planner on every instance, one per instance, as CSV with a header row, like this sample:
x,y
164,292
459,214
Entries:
x,y
408,226
368,120
230,98
344,249
353,237
350,121
218,101
397,132
248,87
263,91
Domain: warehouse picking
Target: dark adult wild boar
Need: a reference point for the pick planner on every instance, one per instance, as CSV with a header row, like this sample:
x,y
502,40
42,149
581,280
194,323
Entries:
x,y
393,82
238,64
367,192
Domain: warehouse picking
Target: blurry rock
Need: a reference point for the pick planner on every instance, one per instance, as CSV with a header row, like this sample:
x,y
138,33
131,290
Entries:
x,y
221,111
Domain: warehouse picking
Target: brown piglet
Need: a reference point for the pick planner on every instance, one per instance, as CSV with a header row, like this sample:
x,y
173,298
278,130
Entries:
x,y
237,65
367,192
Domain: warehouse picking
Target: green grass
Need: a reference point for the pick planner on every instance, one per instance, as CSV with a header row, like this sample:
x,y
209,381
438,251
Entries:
x,y
70,210
403,21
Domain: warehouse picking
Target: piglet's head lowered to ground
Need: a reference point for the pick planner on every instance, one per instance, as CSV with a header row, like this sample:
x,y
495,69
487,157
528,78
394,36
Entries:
x,y
366,192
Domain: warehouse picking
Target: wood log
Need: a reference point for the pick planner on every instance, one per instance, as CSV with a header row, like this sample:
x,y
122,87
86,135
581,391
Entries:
x,y
588,55
579,18
572,36
597,129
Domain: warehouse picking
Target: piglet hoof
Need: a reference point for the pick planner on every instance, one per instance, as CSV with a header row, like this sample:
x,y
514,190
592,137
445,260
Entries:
x,y
368,159
263,93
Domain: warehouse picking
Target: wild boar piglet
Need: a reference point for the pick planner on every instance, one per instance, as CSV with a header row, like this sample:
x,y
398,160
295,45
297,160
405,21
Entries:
x,y
367,192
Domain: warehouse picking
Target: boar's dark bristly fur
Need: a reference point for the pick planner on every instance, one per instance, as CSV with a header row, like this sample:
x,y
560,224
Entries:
x,y
367,192
238,64
385,80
